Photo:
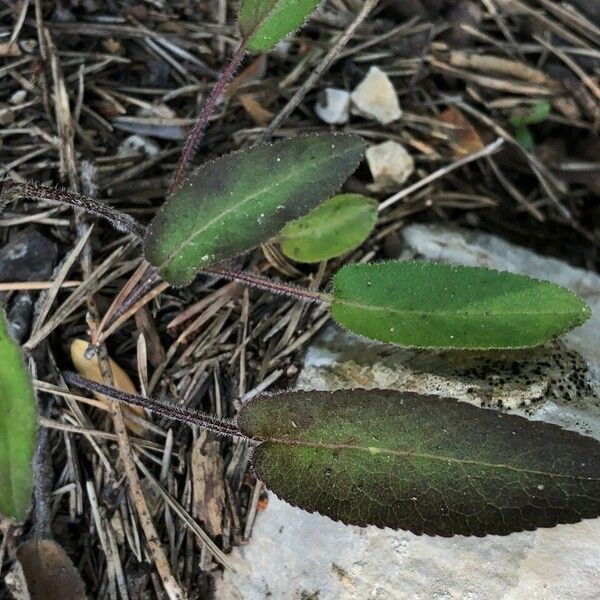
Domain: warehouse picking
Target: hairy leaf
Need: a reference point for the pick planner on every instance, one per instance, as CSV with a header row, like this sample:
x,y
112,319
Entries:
x,y
538,113
339,225
263,23
422,463
240,200
430,305
18,428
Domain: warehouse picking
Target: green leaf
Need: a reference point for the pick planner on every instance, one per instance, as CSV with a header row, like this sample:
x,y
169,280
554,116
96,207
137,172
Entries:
x,y
430,305
240,200
421,463
339,225
263,23
538,113
18,428
524,136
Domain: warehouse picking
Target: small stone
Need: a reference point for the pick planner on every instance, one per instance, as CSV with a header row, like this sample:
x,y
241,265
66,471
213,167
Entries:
x,y
334,106
29,256
18,97
390,163
19,317
138,144
376,98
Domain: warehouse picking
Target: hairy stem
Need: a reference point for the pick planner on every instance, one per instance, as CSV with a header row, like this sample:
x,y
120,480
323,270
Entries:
x,y
172,411
197,133
270,285
120,221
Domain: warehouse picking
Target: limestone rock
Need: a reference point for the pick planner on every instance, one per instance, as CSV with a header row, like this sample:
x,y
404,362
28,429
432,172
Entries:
x,y
138,144
294,554
334,106
376,98
390,163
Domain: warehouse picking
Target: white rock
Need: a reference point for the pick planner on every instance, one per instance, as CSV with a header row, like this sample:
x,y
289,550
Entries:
x,y
294,554
376,98
18,97
137,144
334,107
390,163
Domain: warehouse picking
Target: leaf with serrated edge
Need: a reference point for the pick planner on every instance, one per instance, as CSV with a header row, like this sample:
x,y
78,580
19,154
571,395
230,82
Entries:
x,y
431,305
238,201
18,429
339,225
263,23
426,464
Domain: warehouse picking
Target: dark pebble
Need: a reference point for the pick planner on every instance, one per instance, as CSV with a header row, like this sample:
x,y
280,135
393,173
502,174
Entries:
x,y
28,256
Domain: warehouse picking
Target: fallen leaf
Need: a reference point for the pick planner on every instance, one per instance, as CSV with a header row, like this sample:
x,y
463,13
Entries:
x,y
259,114
90,368
49,572
464,138
255,71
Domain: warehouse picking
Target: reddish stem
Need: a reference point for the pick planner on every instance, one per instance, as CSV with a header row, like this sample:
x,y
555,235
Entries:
x,y
197,133
270,285
120,221
173,411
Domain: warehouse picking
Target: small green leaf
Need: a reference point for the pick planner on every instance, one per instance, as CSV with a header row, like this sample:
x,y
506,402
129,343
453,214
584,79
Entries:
x,y
524,137
18,428
538,113
263,23
430,305
421,463
339,225
240,200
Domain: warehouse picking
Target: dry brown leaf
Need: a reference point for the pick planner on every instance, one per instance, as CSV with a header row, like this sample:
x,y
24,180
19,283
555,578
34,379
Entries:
x,y
207,483
49,572
259,114
9,50
255,71
464,138
90,368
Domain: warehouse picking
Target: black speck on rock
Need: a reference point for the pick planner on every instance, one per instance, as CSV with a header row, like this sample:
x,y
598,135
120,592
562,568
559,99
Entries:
x,y
29,256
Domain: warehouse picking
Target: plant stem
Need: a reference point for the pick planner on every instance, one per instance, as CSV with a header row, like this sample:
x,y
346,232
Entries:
x,y
270,285
172,411
197,133
119,220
